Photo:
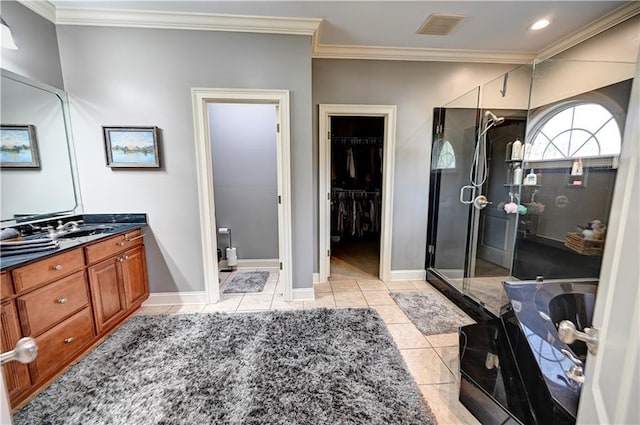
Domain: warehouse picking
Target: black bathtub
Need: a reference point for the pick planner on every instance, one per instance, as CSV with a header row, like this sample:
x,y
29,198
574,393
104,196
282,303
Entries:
x,y
526,380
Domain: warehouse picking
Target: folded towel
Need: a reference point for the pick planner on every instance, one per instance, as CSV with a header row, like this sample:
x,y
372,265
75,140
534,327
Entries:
x,y
27,247
9,233
32,242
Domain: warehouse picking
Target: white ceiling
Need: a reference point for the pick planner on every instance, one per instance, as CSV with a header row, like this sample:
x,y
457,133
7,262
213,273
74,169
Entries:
x,y
489,26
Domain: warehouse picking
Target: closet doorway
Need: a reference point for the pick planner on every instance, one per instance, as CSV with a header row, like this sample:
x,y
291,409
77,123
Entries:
x,y
204,112
356,156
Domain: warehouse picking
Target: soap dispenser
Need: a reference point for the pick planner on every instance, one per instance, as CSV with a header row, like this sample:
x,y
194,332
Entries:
x,y
531,179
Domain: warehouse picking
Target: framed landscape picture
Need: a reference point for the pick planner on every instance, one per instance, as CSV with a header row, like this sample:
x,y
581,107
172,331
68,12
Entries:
x,y
18,146
133,147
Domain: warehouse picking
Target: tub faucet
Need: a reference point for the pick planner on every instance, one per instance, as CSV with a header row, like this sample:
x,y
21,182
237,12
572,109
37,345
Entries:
x,y
576,372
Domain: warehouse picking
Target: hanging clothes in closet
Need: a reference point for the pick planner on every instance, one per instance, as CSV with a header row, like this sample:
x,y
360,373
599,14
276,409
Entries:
x,y
355,213
356,163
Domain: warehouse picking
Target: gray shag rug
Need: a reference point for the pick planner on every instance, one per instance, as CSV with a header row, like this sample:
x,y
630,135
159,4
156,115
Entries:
x,y
429,313
244,282
278,367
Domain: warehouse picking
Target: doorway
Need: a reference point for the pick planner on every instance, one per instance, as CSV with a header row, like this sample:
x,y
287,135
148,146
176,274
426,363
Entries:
x,y
203,99
244,164
356,157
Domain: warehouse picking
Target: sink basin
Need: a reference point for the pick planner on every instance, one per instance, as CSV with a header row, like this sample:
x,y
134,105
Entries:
x,y
84,231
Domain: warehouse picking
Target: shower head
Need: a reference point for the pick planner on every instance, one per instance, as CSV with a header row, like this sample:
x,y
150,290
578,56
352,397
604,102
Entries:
x,y
496,120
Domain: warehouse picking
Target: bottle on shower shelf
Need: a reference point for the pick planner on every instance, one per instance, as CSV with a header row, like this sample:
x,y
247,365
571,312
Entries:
x,y
516,150
517,176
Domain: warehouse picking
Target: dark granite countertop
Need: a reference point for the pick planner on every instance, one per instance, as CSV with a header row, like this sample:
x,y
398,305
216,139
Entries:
x,y
117,224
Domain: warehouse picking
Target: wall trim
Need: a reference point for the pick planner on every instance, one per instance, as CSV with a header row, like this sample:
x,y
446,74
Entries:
x,y
316,278
175,298
269,263
311,27
201,97
337,51
303,294
610,20
45,8
186,21
408,275
326,111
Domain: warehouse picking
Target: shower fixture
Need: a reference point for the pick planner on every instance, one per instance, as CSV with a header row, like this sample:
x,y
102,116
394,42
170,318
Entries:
x,y
480,167
496,120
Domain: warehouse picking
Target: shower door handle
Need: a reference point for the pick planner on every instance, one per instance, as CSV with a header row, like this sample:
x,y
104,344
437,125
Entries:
x,y
462,194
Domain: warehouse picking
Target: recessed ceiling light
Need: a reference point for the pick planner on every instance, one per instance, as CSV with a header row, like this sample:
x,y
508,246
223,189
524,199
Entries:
x,y
539,24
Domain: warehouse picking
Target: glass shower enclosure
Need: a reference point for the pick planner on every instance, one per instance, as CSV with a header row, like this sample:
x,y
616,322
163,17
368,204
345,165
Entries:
x,y
497,204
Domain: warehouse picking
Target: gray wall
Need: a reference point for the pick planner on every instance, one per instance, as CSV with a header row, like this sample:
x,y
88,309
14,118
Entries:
x,y
245,182
416,87
37,56
126,76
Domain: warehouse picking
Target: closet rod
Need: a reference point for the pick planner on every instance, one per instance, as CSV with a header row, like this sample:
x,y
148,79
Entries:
x,y
368,192
357,140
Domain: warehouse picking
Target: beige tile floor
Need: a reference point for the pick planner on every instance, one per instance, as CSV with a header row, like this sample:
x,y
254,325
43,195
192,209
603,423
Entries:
x,y
432,360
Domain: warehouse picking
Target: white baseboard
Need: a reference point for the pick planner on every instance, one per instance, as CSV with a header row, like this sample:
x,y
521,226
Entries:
x,y
175,298
303,294
270,263
408,275
316,278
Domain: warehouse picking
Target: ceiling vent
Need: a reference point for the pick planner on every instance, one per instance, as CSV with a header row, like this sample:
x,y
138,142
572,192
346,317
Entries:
x,y
440,24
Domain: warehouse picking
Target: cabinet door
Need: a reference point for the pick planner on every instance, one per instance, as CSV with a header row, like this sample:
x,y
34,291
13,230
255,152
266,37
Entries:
x,y
16,375
134,273
107,293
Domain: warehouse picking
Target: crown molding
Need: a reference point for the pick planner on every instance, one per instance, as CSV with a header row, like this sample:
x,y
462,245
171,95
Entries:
x,y
610,20
335,51
44,8
186,21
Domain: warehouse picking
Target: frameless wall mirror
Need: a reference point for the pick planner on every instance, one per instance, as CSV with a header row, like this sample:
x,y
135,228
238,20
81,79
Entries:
x,y
37,168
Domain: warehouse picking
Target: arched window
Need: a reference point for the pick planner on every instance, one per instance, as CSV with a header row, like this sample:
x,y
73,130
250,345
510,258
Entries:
x,y
576,130
446,156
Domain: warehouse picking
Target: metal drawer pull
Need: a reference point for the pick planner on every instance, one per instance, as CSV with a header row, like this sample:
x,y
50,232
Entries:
x,y
68,340
57,267
62,300
137,237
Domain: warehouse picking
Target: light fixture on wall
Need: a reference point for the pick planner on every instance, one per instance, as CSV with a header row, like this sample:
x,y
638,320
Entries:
x,y
7,37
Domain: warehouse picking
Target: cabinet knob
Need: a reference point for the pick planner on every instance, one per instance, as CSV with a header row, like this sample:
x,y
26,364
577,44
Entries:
x,y
121,259
68,340
57,267
126,257
121,243
62,301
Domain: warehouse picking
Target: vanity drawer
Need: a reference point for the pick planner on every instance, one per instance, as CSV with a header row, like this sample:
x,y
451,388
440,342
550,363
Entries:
x,y
105,249
58,344
6,287
44,307
46,270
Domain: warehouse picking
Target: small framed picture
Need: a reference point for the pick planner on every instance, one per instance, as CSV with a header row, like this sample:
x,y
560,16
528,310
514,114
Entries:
x,y
132,147
18,146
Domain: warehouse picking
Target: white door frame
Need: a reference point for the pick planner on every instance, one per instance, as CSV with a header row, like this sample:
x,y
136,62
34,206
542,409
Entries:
x,y
324,180
200,98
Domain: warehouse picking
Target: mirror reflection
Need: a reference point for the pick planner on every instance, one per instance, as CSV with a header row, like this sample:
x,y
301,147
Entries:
x,y
32,190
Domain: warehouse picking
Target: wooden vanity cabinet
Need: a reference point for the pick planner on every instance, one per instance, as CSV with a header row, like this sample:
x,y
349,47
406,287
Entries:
x,y
68,302
16,375
119,283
